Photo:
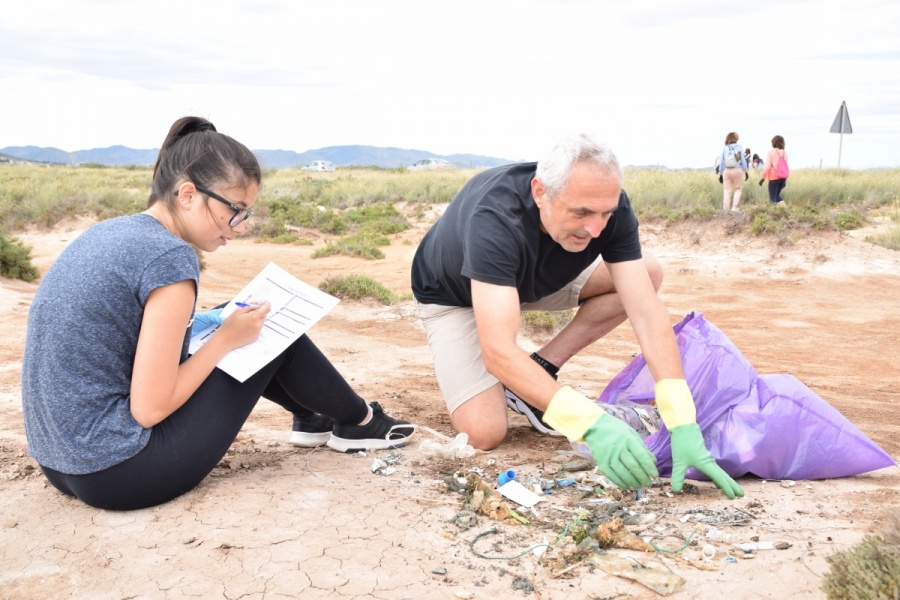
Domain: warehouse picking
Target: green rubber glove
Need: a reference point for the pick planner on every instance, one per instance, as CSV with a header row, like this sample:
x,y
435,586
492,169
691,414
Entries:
x,y
620,453
688,450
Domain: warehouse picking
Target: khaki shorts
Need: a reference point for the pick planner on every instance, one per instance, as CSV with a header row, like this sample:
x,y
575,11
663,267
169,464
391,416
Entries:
x,y
453,338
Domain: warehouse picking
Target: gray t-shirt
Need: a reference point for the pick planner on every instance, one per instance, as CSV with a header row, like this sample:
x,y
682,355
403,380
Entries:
x,y
82,337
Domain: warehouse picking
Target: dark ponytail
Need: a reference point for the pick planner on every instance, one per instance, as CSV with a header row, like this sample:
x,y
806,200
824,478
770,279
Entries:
x,y
196,151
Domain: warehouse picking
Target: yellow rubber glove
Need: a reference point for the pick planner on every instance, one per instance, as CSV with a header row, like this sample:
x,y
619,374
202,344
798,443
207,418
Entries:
x,y
676,407
619,451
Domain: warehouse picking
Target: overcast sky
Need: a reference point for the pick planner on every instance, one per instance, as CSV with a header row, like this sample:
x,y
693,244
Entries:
x,y
661,82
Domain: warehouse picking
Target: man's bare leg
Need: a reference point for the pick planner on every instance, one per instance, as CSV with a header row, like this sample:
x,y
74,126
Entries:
x,y
483,417
601,311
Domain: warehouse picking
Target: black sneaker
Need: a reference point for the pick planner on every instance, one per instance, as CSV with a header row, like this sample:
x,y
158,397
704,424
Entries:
x,y
311,431
381,432
534,416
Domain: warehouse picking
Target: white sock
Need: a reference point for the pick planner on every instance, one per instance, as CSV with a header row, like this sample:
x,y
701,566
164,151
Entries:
x,y
368,416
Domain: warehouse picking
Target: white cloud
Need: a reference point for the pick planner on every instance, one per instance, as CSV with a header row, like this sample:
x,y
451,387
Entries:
x,y
661,82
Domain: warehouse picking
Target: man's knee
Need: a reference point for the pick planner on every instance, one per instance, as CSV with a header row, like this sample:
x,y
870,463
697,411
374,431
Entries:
x,y
483,419
486,438
654,269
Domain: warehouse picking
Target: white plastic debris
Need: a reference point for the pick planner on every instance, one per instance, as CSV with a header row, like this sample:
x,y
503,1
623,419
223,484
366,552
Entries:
x,y
458,447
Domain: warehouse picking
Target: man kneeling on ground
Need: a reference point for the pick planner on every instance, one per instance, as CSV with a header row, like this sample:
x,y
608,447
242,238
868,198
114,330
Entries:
x,y
551,235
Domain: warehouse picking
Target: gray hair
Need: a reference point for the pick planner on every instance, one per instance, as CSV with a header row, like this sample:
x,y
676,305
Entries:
x,y
555,169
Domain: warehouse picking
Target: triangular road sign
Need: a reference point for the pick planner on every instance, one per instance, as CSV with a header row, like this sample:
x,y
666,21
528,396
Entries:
x,y
842,121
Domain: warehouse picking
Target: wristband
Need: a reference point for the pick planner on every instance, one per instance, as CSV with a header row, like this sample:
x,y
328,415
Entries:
x,y
548,366
675,402
571,413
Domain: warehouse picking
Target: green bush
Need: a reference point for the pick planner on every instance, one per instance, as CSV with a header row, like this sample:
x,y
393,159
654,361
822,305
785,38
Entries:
x,y
15,259
356,287
546,321
869,570
364,244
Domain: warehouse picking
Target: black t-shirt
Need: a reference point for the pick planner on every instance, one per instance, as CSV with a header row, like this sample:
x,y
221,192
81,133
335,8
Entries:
x,y
491,232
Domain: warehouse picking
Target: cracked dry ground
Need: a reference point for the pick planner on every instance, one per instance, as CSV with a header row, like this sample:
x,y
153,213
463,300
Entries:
x,y
274,521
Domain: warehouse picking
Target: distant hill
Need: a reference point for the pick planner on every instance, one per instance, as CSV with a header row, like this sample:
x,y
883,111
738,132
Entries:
x,y
343,156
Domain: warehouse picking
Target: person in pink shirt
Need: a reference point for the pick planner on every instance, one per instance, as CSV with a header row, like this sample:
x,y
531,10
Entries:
x,y
776,170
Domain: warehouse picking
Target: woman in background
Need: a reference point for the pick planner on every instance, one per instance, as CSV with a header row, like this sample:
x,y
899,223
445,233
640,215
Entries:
x,y
776,170
116,412
733,165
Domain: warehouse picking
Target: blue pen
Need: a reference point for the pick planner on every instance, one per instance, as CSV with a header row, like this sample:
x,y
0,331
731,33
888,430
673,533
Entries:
x,y
245,305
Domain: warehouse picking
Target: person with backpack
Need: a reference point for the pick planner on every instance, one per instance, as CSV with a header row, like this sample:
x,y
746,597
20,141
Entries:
x,y
733,165
776,171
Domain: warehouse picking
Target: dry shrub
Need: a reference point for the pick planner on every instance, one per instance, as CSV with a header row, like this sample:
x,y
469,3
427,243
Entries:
x,y
870,569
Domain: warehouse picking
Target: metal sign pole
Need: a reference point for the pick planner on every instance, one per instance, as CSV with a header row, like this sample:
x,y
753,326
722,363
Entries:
x,y
841,139
841,125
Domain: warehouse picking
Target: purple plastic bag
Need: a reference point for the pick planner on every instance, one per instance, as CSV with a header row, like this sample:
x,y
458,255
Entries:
x,y
771,426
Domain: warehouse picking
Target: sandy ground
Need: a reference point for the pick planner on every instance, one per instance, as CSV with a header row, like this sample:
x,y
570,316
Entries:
x,y
274,521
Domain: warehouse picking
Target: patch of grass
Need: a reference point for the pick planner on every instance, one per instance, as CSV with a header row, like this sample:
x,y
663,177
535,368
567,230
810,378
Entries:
x,y
889,238
349,200
15,259
871,569
364,244
357,287
546,321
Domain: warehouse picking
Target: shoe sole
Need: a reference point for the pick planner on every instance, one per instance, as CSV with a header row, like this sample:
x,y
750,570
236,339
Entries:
x,y
309,440
511,402
535,422
516,404
345,445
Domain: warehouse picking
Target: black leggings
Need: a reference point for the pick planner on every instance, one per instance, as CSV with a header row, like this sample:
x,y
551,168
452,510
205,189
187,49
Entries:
x,y
775,187
186,447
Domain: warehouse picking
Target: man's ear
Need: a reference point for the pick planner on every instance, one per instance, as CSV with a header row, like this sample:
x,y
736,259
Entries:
x,y
539,192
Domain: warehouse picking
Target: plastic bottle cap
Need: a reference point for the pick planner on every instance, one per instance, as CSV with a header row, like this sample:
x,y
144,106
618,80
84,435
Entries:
x,y
505,477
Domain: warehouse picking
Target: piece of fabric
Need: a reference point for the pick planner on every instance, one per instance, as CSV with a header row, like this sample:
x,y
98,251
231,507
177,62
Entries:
x,y
491,232
771,426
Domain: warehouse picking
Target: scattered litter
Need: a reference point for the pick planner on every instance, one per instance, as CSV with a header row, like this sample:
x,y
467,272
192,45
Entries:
x,y
439,571
382,466
578,464
519,494
505,477
754,546
565,482
458,447
663,583
457,483
788,484
708,552
717,535
477,470
716,517
730,559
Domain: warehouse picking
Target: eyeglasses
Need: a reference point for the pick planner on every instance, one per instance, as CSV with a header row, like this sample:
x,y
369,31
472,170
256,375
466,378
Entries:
x,y
240,214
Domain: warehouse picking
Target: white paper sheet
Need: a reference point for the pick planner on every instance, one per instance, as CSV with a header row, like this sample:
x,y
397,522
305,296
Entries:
x,y
296,306
519,494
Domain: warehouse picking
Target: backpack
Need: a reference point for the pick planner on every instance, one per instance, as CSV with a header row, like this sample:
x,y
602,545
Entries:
x,y
782,171
733,156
